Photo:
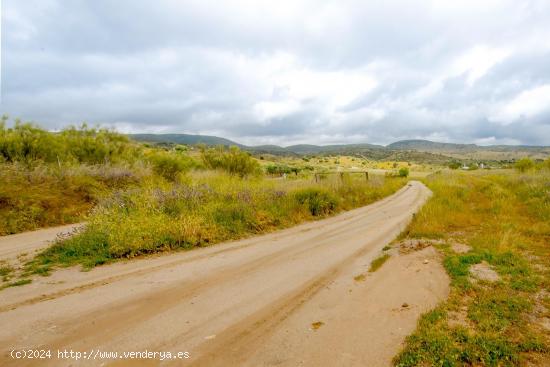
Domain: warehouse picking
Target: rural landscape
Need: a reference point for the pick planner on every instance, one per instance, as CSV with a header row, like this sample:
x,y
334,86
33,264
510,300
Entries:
x,y
489,227
300,183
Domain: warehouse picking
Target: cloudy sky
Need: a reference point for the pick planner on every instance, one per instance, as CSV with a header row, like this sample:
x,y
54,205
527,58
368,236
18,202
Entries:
x,y
284,72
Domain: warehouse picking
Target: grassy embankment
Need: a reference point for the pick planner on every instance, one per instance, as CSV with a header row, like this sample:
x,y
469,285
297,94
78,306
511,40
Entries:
x,y
139,200
505,219
205,208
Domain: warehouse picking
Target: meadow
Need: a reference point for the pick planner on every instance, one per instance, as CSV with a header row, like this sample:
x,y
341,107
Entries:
x,y
504,217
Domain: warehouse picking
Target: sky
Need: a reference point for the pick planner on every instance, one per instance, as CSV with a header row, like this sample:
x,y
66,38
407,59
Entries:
x,y
283,72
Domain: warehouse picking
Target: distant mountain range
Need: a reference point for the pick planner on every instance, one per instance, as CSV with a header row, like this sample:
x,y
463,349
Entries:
x,y
452,147
184,139
421,150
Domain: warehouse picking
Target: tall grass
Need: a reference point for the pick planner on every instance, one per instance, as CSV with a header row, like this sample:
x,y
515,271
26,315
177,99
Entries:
x,y
505,218
205,208
46,195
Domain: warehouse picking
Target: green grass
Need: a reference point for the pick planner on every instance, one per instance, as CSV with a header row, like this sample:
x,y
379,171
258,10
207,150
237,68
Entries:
x,y
378,262
504,217
203,209
5,271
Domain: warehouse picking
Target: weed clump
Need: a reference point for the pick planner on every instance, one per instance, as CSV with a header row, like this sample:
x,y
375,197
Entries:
x,y
378,262
318,201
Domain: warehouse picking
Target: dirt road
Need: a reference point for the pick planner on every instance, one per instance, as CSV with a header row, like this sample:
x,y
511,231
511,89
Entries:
x,y
294,297
27,243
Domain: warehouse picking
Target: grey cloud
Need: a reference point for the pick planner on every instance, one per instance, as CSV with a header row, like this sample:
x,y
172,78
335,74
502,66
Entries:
x,y
209,67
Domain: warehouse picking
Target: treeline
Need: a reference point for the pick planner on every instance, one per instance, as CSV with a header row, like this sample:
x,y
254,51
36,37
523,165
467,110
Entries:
x,y
522,165
29,144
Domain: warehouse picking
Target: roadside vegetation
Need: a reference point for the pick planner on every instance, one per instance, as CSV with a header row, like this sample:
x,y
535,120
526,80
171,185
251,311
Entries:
x,y
140,199
378,262
504,219
202,209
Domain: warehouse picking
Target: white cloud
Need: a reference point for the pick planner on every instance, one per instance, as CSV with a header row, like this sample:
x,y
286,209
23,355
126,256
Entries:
x,y
477,61
525,105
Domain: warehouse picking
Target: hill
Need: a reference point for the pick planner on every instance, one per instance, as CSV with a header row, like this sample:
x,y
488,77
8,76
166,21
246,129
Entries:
x,y
186,139
426,145
406,150
473,151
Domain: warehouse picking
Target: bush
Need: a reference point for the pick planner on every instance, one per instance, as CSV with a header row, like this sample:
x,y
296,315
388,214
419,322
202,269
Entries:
x,y
524,165
170,165
403,172
318,201
232,160
454,165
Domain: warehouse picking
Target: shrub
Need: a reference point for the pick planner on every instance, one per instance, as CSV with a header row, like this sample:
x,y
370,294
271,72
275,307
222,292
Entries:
x,y
170,165
318,201
524,164
403,172
454,165
232,160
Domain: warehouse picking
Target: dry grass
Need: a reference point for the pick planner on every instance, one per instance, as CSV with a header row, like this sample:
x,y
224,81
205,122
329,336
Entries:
x,y
42,196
